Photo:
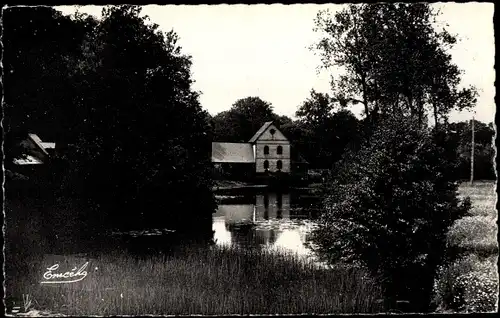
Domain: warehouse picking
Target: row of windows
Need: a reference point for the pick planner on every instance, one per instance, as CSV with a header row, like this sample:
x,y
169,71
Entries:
x,y
279,150
279,164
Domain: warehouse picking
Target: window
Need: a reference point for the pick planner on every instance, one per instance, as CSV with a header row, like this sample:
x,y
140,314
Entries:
x,y
266,150
279,151
266,164
272,131
279,165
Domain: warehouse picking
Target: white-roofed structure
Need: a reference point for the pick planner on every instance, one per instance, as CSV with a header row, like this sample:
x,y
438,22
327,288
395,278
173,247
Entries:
x,y
36,151
229,152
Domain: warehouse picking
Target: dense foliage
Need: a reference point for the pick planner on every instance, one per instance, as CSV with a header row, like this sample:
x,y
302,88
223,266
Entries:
x,y
38,41
468,284
115,95
394,197
484,151
391,206
324,130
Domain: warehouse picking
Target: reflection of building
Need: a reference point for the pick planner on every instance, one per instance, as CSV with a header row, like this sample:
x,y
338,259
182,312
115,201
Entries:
x,y
241,221
267,223
272,206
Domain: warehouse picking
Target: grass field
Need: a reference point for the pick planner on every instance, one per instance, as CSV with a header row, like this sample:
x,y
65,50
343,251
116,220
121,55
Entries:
x,y
477,232
469,283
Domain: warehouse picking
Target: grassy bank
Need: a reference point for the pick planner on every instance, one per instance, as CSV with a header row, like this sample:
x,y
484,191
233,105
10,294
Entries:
x,y
208,281
469,283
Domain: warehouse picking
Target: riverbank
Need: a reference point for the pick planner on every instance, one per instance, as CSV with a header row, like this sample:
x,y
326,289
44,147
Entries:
x,y
214,281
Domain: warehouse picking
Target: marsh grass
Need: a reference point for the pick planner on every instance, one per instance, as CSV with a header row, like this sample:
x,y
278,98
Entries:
x,y
210,281
213,281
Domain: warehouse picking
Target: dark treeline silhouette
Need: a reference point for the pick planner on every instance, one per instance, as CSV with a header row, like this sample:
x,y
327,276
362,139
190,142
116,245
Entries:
x,y
114,94
324,131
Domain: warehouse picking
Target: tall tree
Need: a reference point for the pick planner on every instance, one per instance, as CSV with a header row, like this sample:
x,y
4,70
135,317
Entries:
x,y
139,123
394,60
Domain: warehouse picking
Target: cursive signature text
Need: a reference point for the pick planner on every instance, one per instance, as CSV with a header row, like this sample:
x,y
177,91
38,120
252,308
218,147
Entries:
x,y
75,275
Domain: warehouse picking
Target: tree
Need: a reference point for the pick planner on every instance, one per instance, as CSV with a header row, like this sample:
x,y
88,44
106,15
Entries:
x,y
141,142
394,60
326,129
315,110
391,206
244,119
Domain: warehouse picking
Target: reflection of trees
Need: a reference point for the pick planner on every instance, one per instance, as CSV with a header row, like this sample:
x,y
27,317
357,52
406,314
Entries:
x,y
242,234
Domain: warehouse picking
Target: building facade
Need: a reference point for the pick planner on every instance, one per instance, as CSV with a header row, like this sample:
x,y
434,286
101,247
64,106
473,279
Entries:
x,y
272,150
268,151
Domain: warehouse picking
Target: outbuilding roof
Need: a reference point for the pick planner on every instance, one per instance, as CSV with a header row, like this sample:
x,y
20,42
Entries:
x,y
230,152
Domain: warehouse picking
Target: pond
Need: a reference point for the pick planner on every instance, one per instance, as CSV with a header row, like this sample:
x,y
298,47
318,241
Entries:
x,y
266,220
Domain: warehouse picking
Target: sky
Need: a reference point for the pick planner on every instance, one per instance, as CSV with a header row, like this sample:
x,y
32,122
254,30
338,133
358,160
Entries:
x,y
262,50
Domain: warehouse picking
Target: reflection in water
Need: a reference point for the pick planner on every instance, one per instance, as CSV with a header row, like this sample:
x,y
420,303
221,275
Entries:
x,y
265,223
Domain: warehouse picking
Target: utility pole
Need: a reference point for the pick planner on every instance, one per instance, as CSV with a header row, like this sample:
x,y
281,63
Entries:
x,y
472,153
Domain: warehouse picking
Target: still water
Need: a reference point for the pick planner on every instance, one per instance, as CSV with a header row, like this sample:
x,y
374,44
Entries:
x,y
266,220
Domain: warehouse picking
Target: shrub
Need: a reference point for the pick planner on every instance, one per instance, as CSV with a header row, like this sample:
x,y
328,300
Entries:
x,y
391,206
469,284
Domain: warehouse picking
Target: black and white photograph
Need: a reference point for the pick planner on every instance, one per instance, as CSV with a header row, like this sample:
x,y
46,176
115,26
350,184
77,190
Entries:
x,y
249,159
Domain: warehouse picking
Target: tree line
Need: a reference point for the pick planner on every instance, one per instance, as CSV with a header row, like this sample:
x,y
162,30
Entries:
x,y
324,130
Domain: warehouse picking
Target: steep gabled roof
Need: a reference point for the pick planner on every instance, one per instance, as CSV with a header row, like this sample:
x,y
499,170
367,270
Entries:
x,y
230,152
260,131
